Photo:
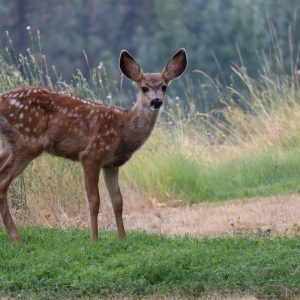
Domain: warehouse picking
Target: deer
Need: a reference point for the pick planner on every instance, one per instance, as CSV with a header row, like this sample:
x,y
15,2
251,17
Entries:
x,y
34,120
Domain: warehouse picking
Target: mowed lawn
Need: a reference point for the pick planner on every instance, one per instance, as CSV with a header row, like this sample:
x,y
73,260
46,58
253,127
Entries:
x,y
55,263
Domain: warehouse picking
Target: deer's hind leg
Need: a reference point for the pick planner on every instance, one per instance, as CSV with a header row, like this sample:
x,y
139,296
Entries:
x,y
91,177
13,160
6,176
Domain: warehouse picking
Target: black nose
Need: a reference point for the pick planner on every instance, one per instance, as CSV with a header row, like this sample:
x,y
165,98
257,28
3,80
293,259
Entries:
x,y
156,103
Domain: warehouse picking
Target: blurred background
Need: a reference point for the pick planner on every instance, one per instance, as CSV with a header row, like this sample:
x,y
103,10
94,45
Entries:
x,y
218,34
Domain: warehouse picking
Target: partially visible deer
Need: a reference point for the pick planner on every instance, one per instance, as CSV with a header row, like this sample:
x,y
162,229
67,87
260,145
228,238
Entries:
x,y
33,120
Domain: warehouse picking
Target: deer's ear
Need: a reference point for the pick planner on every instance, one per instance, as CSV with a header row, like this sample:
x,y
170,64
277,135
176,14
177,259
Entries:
x,y
175,66
130,67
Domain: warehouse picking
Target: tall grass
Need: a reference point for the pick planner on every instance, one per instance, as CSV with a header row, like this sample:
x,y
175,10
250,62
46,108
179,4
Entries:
x,y
237,152
249,147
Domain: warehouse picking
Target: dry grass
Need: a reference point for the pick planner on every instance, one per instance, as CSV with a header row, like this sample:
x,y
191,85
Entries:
x,y
276,215
248,133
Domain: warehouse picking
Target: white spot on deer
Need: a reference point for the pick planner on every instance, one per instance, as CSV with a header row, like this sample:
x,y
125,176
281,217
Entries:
x,y
19,125
21,116
30,101
107,147
11,115
28,93
117,110
84,101
43,140
33,140
64,110
25,138
13,102
37,114
27,129
93,121
30,119
34,130
112,131
25,107
21,94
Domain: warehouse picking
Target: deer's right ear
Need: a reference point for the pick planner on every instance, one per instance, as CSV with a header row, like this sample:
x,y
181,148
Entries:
x,y
130,67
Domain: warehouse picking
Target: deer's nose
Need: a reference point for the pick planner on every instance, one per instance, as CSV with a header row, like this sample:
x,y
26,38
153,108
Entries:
x,y
156,103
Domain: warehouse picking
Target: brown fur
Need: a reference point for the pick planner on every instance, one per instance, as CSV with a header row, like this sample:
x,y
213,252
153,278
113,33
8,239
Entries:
x,y
33,120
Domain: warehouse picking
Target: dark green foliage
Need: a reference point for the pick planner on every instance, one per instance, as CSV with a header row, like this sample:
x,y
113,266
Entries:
x,y
52,263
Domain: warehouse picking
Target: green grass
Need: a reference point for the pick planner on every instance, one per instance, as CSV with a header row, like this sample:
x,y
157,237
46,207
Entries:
x,y
53,263
263,173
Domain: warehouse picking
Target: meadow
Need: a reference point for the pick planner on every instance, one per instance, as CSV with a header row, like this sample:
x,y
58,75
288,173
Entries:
x,y
235,153
52,264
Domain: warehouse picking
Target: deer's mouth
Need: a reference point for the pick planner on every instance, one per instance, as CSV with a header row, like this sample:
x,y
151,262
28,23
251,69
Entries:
x,y
156,103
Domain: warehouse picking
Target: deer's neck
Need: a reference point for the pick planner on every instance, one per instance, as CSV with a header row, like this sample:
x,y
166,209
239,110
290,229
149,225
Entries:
x,y
140,123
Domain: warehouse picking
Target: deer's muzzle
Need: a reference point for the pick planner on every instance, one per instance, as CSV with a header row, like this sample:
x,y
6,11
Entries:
x,y
156,103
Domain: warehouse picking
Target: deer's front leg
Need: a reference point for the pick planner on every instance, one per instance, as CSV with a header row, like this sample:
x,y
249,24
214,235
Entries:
x,y
91,178
111,177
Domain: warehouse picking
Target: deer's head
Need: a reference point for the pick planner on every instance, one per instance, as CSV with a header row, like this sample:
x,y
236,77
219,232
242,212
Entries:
x,y
153,86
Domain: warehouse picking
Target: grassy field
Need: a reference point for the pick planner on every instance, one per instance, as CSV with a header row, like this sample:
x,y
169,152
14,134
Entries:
x,y
197,157
236,152
51,264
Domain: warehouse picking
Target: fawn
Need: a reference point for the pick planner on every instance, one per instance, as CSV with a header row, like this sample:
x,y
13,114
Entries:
x,y
33,120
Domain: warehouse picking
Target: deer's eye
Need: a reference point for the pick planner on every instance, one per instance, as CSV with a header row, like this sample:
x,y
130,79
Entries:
x,y
164,88
145,89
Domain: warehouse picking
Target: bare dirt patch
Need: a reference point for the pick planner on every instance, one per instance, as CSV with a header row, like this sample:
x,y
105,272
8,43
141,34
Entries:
x,y
277,215
272,216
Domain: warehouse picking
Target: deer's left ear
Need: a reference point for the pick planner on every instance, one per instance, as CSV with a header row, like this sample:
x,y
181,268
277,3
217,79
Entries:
x,y
175,66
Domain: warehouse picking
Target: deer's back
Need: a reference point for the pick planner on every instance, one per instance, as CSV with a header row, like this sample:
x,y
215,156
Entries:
x,y
61,124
